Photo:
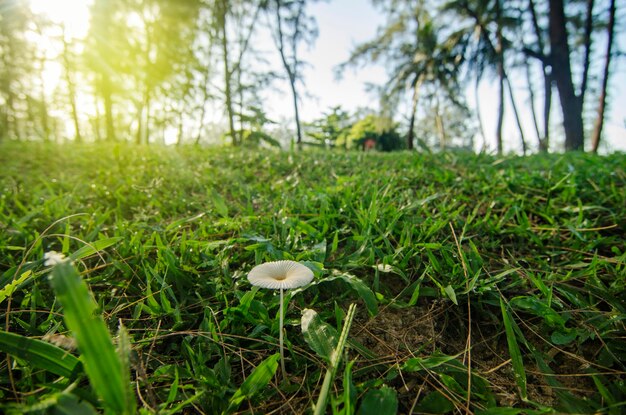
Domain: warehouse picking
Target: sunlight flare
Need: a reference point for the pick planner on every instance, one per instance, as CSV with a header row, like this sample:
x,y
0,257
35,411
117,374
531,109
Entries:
x,y
72,14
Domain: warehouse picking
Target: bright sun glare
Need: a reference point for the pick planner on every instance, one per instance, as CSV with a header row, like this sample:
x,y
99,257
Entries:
x,y
73,14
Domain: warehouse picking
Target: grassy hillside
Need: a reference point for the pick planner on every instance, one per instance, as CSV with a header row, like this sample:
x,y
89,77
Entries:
x,y
479,282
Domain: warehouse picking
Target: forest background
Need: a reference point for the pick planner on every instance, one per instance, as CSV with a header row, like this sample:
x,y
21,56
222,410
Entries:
x,y
495,76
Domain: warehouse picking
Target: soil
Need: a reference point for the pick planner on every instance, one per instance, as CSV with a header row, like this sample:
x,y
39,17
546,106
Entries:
x,y
397,334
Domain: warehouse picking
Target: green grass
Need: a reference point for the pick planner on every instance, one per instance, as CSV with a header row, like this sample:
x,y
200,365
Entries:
x,y
481,283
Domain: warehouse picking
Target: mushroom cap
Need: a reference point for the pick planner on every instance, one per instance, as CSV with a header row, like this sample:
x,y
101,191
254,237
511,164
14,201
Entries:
x,y
53,258
280,274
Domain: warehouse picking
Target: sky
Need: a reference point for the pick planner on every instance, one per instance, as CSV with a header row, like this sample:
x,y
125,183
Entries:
x,y
342,25
346,23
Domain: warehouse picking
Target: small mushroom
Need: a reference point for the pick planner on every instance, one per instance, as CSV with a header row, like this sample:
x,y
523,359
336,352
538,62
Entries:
x,y
280,275
53,258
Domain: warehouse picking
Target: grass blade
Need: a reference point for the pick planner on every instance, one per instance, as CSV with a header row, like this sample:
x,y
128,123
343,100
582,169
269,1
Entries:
x,y
8,289
123,352
102,364
514,351
320,406
40,354
366,294
258,379
93,247
416,364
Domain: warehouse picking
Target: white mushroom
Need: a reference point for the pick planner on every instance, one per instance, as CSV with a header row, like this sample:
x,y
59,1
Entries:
x,y
53,258
280,275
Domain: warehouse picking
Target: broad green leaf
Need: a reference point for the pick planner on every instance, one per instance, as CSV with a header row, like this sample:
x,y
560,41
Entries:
x,y
320,336
40,354
258,379
514,350
102,365
379,401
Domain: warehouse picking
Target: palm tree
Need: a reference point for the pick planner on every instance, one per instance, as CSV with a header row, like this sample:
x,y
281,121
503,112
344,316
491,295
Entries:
x,y
486,44
419,57
597,129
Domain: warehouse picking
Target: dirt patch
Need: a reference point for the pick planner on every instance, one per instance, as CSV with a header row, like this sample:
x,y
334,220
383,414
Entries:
x,y
395,335
398,333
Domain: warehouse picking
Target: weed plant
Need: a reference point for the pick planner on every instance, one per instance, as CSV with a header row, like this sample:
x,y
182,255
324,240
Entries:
x,y
483,285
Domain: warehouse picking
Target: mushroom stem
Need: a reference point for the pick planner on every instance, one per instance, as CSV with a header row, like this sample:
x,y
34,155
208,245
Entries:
x,y
280,337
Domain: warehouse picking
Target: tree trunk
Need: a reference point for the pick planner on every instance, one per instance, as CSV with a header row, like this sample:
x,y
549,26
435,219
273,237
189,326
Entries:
x,y
599,123
411,134
290,72
179,137
517,118
205,100
71,88
4,124
480,120
43,105
500,119
440,128
9,127
202,114
108,108
5,89
294,94
544,143
562,73
143,118
500,71
222,15
587,43
97,126
147,125
139,124
531,95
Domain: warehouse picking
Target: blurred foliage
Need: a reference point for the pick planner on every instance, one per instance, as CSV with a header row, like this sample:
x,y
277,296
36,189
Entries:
x,y
380,129
331,128
185,72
